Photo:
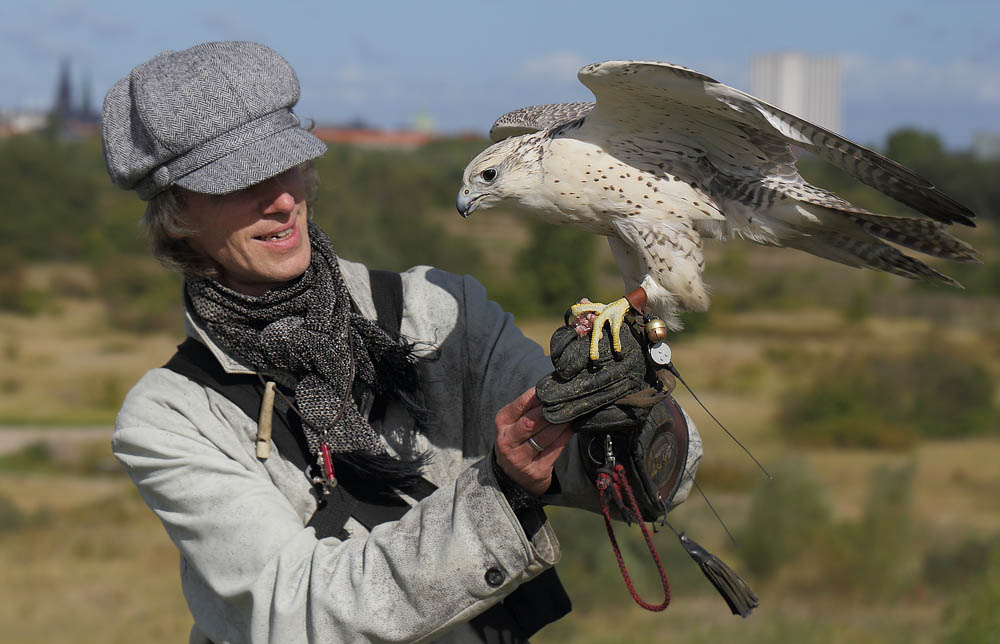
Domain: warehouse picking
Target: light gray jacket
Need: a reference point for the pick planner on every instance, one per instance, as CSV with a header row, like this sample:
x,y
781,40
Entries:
x,y
250,569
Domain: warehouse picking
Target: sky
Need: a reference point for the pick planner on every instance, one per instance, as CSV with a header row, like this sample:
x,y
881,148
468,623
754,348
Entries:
x,y
930,64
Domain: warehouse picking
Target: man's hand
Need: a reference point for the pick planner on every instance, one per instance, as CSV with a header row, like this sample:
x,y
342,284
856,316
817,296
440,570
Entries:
x,y
522,461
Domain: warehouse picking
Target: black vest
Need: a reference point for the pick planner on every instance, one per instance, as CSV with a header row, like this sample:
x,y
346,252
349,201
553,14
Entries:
x,y
520,615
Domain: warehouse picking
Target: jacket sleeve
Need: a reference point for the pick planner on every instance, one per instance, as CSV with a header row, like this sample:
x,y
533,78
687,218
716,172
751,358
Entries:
x,y
251,571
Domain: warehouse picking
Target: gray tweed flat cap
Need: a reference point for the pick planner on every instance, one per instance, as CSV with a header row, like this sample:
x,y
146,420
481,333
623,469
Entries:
x,y
214,118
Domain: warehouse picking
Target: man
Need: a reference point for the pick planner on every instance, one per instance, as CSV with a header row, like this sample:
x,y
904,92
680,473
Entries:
x,y
421,437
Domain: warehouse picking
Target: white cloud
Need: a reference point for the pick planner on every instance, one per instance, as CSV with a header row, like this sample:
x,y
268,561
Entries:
x,y
954,98
909,78
350,74
225,22
353,95
733,73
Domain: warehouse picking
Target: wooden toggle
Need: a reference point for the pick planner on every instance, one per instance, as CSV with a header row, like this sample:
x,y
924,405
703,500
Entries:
x,y
264,422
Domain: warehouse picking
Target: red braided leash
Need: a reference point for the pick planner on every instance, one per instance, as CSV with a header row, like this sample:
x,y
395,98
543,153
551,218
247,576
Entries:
x,y
613,482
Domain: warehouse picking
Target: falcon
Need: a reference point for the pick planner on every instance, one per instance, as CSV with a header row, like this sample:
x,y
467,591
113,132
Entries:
x,y
667,157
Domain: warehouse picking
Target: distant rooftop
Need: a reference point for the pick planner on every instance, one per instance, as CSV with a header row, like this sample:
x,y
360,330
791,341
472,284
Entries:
x,y
365,137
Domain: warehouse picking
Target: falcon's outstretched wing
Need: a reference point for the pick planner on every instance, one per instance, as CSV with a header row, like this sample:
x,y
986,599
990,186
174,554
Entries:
x,y
537,117
744,135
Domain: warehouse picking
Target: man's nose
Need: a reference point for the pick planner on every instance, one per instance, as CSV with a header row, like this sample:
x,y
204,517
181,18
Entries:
x,y
277,199
283,201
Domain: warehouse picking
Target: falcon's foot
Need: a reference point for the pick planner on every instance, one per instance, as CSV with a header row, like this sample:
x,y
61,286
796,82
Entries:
x,y
613,313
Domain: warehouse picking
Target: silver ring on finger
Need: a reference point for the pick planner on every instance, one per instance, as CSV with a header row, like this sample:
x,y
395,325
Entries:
x,y
535,446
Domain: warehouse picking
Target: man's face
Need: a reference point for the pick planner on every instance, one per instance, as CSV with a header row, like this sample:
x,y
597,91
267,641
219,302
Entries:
x,y
258,236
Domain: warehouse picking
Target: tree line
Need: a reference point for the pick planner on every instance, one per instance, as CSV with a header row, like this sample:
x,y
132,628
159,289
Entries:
x,y
375,204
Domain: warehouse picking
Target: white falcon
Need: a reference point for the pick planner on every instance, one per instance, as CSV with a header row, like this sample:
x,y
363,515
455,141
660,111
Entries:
x,y
668,157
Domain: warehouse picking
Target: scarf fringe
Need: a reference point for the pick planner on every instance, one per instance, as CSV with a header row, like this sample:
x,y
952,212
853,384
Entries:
x,y
376,476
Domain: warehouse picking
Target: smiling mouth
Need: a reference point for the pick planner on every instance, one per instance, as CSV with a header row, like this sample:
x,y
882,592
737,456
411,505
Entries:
x,y
278,236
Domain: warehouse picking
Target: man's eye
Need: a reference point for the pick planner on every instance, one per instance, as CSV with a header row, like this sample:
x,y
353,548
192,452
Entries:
x,y
489,174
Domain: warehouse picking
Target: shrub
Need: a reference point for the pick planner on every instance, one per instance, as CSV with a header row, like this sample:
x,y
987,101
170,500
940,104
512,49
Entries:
x,y
95,459
954,565
11,518
15,295
695,322
374,205
859,307
953,393
105,391
139,295
55,185
34,457
556,268
790,521
73,283
973,615
841,408
883,539
787,515
872,557
887,401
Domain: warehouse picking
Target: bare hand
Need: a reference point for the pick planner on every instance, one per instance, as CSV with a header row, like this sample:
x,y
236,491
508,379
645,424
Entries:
x,y
516,456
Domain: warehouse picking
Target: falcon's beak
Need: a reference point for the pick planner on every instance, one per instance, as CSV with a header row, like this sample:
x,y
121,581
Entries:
x,y
466,202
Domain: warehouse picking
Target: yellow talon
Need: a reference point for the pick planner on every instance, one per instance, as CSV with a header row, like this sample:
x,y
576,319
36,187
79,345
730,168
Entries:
x,y
586,307
614,312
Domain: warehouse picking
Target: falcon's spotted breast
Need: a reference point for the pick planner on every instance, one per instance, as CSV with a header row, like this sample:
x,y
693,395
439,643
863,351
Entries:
x,y
667,157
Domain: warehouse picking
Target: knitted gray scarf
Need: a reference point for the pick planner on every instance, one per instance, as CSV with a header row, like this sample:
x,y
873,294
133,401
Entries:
x,y
309,331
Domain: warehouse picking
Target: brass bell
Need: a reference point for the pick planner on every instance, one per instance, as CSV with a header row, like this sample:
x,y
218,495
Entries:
x,y
656,330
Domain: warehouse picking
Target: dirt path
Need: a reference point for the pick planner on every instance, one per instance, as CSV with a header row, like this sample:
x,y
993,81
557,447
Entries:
x,y
59,439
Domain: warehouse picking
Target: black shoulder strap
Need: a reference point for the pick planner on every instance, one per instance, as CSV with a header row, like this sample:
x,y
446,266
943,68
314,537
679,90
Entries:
x,y
387,294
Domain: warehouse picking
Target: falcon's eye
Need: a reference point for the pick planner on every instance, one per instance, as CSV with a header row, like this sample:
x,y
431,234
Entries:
x,y
489,174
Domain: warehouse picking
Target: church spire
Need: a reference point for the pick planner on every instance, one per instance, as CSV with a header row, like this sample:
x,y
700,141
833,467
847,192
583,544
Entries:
x,y
85,108
63,106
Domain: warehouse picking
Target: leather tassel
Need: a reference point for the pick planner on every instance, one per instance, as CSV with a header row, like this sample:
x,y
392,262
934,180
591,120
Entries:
x,y
740,597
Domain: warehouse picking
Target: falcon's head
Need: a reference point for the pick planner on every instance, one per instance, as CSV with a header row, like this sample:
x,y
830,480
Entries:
x,y
509,169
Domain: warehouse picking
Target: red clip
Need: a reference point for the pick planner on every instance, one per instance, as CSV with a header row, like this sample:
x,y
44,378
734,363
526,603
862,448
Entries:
x,y
327,462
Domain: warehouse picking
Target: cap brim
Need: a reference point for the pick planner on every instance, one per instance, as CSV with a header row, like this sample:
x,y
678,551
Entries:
x,y
256,162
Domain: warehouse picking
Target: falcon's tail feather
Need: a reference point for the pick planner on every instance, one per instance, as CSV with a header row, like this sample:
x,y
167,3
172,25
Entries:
x,y
870,253
854,238
923,235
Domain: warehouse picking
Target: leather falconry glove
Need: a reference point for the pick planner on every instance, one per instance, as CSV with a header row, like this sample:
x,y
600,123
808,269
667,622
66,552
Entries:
x,y
582,391
618,398
621,406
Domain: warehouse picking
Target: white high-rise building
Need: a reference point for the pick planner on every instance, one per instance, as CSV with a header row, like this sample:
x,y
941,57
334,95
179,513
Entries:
x,y
986,146
806,86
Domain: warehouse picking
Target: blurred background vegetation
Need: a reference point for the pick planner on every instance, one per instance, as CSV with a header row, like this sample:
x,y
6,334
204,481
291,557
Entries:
x,y
872,398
